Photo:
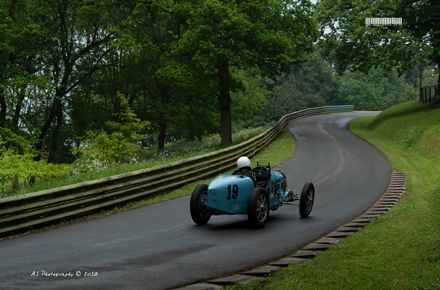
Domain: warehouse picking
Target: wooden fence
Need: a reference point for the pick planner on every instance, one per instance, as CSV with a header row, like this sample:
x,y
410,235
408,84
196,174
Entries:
x,y
25,211
429,94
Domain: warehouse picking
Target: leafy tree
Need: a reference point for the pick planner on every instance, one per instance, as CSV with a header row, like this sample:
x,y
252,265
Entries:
x,y
114,145
270,35
16,159
22,41
372,91
79,35
164,79
291,94
320,74
198,107
348,41
248,98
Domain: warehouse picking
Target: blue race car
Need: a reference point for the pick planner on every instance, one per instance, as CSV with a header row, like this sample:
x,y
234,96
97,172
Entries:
x,y
253,192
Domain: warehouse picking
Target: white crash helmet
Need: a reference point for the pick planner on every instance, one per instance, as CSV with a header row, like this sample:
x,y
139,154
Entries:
x,y
243,161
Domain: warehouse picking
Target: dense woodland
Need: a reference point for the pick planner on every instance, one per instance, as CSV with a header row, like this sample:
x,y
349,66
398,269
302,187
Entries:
x,y
76,71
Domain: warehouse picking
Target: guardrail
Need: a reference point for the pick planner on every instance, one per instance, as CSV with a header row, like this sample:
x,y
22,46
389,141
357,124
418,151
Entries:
x,y
48,206
429,94
340,108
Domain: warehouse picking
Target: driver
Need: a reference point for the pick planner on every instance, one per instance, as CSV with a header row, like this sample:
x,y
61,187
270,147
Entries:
x,y
243,165
259,177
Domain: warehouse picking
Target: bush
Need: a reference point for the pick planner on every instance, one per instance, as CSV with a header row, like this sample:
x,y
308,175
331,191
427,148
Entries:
x,y
113,147
17,160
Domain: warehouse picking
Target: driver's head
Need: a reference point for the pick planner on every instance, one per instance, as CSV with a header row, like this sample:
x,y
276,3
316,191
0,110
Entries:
x,y
243,161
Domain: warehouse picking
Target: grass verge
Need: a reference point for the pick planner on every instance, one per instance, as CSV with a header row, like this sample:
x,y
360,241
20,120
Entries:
x,y
86,170
277,152
400,249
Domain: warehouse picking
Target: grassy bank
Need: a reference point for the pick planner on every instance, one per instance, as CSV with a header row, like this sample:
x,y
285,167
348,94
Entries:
x,y
276,153
400,249
86,170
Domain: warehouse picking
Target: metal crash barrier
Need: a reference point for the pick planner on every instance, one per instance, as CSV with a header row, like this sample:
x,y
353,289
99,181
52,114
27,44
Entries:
x,y
25,211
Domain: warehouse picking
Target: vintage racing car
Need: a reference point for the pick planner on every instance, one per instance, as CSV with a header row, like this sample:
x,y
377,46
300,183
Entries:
x,y
253,194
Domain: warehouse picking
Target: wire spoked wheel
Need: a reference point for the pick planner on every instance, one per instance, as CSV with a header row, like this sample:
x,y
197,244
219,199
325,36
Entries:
x,y
258,207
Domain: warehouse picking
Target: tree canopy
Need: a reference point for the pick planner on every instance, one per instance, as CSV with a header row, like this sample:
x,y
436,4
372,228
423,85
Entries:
x,y
270,35
192,68
349,42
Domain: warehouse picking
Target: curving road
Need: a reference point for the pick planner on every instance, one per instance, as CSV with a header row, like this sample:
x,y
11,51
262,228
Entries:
x,y
159,247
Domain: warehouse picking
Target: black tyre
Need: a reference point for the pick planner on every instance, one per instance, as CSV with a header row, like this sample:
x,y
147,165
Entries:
x,y
306,200
258,207
198,205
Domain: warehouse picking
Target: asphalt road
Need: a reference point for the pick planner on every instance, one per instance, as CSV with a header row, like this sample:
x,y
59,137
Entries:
x,y
159,247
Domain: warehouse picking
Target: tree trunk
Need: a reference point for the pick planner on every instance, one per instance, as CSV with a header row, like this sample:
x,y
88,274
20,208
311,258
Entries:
x,y
56,105
438,66
3,108
191,136
14,183
56,132
161,145
225,103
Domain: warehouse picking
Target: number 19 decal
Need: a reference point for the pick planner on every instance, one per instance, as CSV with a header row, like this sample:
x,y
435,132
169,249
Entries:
x,y
234,191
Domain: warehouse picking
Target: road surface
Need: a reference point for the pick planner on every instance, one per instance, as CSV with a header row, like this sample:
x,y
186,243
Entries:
x,y
159,247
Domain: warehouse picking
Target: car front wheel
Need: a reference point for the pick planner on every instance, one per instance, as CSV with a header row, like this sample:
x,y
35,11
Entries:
x,y
199,205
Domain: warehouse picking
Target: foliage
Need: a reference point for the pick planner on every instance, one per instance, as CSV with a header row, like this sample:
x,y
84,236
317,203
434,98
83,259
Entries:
x,y
224,34
317,84
16,160
114,146
247,100
371,91
191,68
349,42
85,169
291,95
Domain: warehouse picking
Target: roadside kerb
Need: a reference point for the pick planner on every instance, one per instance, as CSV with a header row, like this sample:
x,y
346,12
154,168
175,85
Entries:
x,y
25,211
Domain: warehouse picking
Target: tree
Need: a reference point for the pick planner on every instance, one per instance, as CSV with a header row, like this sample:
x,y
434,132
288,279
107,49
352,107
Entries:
x,y
349,42
372,91
320,74
80,36
248,98
114,145
16,159
270,35
164,79
22,41
289,95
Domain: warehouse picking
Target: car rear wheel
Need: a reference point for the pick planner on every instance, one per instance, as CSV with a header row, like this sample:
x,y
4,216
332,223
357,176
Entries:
x,y
258,207
199,205
306,200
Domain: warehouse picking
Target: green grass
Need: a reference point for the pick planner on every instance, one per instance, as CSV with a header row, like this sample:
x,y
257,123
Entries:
x,y
175,151
400,249
276,153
